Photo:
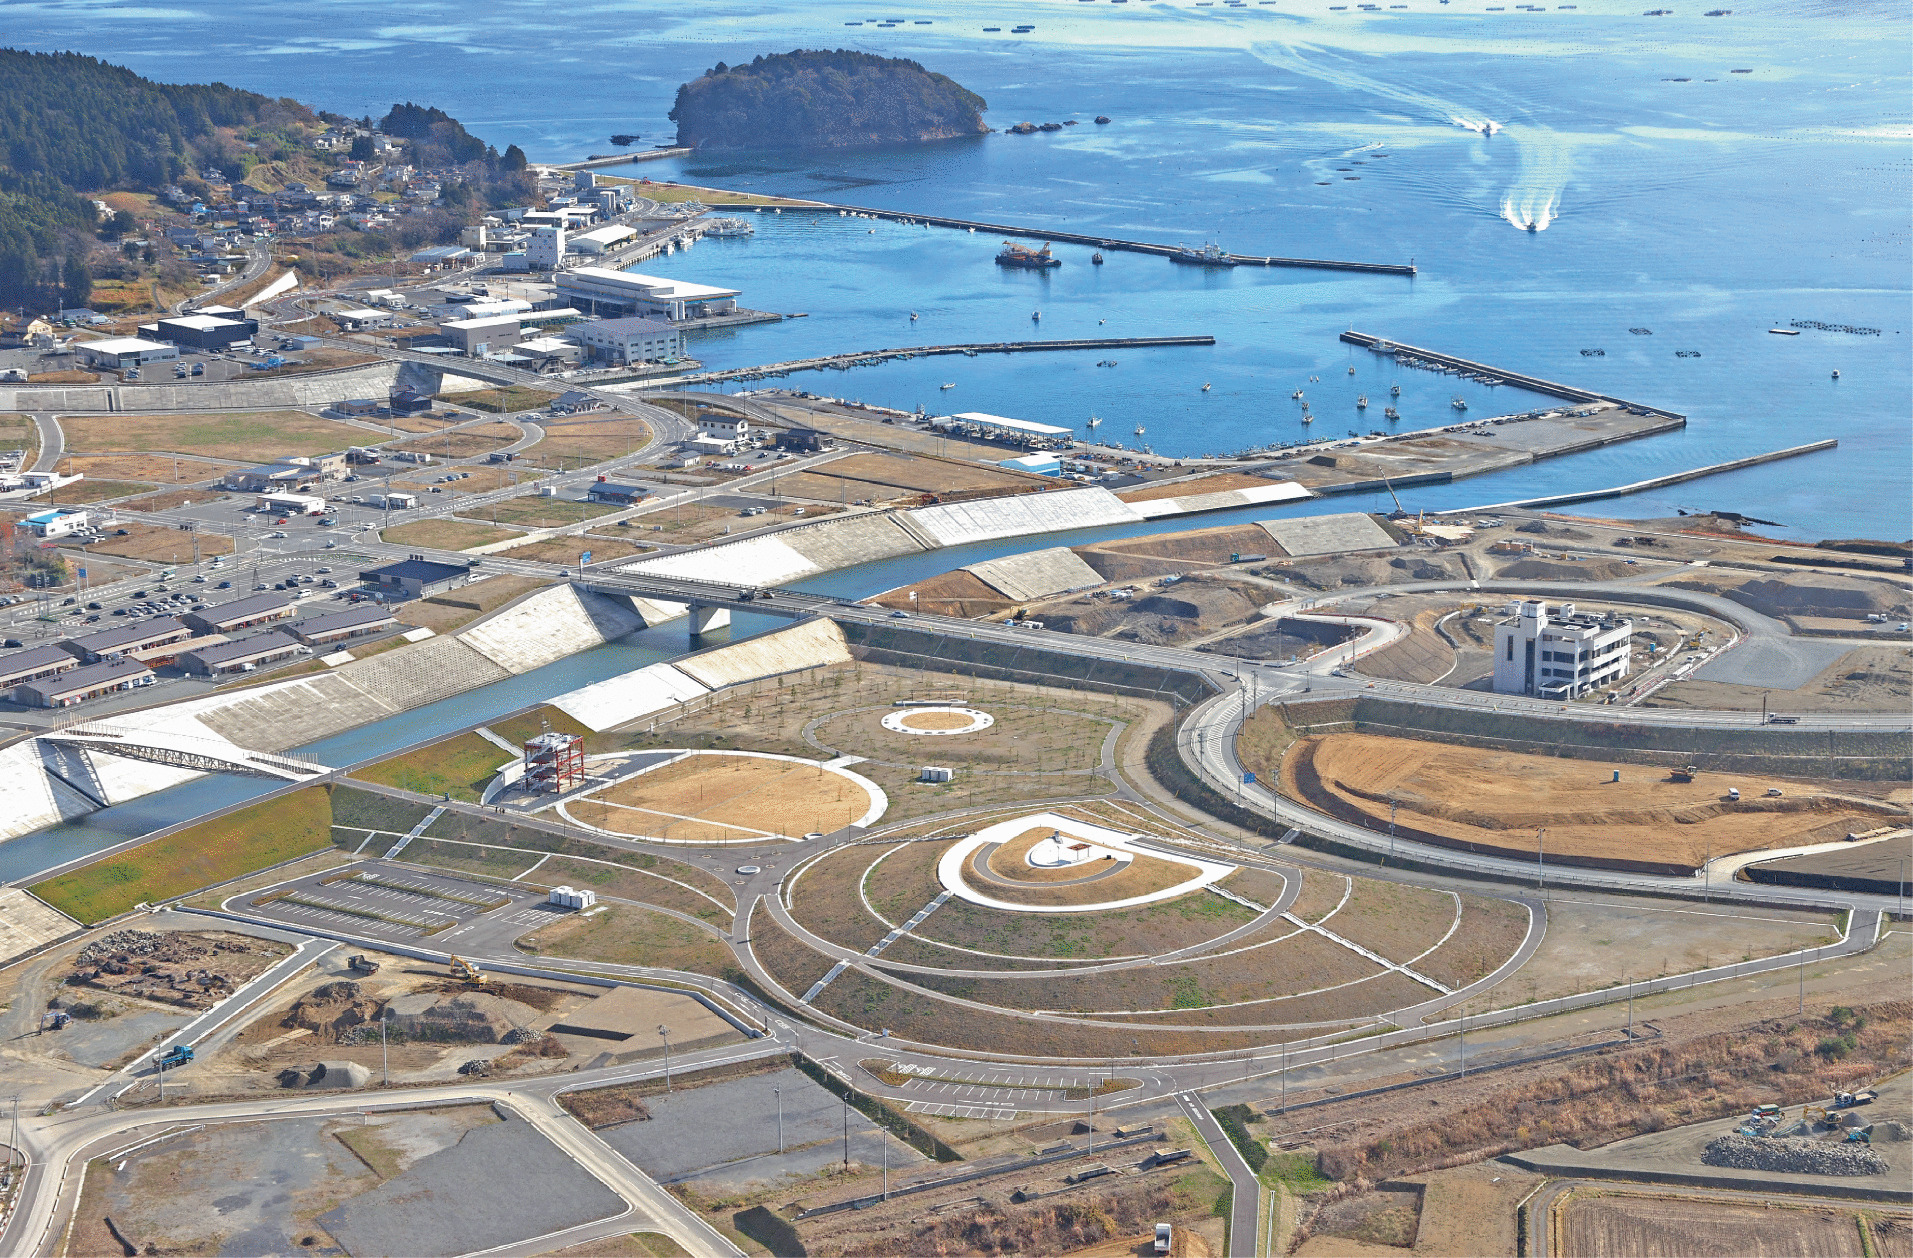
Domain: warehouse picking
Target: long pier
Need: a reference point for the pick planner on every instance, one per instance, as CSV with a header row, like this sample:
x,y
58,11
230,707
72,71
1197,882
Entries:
x,y
870,357
1114,244
1534,384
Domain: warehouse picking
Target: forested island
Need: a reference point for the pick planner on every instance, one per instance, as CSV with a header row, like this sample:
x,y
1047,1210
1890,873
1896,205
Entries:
x,y
814,99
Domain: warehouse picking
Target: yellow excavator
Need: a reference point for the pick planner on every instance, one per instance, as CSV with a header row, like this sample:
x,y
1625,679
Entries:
x,y
467,972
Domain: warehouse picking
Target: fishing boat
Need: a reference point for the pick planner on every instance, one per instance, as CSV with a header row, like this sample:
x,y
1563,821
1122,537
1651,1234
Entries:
x,y
1351,371
946,386
1297,394
1308,419
1394,390
1140,430
913,316
1361,403
1025,258
1093,422
1096,259
1205,387
1392,413
1459,403
1836,373
1036,316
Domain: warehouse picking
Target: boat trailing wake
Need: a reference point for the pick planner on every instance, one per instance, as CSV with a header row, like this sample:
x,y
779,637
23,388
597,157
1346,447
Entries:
x,y
1484,126
1530,213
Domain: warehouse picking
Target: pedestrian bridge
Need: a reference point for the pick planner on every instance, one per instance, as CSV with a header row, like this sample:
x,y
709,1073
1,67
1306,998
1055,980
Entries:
x,y
183,751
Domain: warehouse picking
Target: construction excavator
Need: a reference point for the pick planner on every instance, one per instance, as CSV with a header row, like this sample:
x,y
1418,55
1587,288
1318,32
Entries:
x,y
465,971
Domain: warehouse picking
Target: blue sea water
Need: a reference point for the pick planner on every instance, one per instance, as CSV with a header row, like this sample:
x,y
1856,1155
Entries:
x,y
1672,195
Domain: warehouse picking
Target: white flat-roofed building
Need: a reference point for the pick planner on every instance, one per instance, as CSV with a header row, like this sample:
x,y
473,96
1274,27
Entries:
x,y
291,504
124,351
600,239
477,337
1559,656
57,523
546,248
620,341
618,293
488,307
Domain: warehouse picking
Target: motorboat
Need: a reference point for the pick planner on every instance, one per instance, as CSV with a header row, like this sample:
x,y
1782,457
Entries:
x,y
1459,403
1096,259
946,386
913,316
1297,394
1392,413
1351,371
1205,387
1394,390
1361,403
1140,430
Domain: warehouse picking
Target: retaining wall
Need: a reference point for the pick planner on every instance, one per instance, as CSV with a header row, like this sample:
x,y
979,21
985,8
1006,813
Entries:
x,y
315,388
910,648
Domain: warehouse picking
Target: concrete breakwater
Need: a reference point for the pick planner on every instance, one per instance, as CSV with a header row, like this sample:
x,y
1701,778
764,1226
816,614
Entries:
x,y
870,357
1118,245
1658,482
1414,354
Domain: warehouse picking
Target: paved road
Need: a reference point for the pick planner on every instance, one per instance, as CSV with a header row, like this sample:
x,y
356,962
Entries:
x,y
52,443
1245,1205
61,1144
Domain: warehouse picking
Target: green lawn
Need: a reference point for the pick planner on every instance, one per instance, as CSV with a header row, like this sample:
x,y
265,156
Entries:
x,y
215,851
460,767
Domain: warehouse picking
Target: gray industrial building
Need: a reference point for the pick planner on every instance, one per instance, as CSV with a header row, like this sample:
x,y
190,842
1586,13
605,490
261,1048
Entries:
x,y
244,613
355,622
77,685
415,577
241,655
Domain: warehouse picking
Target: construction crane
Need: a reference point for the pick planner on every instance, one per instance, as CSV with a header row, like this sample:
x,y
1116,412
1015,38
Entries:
x,y
467,972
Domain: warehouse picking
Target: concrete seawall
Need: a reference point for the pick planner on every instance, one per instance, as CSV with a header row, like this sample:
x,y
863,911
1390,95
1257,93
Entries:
x,y
1533,384
1658,482
863,357
315,388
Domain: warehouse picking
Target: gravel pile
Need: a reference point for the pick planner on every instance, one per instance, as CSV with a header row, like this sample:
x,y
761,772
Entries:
x,y
1800,1157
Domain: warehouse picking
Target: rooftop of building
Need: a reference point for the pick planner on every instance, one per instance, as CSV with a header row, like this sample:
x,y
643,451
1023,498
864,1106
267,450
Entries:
x,y
128,635
89,675
634,326
248,647
415,569
243,608
652,285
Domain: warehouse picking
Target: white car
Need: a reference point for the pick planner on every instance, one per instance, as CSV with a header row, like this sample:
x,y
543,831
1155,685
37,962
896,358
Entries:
x,y
275,534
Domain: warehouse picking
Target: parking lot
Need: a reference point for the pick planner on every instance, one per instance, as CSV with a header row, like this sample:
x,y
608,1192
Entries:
x,y
374,900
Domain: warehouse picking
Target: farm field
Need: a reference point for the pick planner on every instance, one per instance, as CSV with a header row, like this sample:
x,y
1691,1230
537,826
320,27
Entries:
x,y
1496,800
212,851
715,798
247,438
1594,1224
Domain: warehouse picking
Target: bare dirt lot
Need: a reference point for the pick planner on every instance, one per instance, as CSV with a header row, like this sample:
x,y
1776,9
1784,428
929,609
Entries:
x,y
1593,945
1865,679
159,544
575,443
1498,800
714,798
1598,1223
193,970
156,468
444,534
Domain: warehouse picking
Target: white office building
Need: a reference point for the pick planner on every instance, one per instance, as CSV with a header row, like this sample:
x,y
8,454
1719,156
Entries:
x,y
617,342
732,430
120,352
546,248
601,290
1562,655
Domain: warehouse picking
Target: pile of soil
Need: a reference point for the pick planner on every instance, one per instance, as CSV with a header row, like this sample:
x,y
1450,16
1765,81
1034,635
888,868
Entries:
x,y
1795,1156
1554,570
191,969
1828,597
331,1011
466,1018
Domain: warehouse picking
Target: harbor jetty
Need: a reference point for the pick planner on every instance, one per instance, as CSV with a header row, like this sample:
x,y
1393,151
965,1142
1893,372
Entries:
x,y
1658,482
1415,356
872,357
1120,246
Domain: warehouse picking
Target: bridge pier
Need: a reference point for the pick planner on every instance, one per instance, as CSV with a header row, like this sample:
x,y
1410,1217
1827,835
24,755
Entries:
x,y
705,619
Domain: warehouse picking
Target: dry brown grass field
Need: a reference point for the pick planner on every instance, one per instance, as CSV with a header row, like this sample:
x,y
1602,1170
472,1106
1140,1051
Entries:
x,y
627,935
1489,933
717,798
1393,920
159,544
463,443
443,534
158,468
249,438
1498,799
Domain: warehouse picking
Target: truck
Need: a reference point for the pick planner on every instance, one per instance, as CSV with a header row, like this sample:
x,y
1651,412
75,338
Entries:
x,y
362,964
177,1055
1849,1100
1165,1236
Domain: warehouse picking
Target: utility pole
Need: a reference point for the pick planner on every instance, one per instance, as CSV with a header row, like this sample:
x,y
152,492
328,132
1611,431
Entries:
x,y
664,1033
1628,982
1540,871
846,1128
1802,1006
779,1091
385,1058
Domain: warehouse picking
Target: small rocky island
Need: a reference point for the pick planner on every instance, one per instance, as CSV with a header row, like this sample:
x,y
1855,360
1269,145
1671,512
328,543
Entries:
x,y
823,100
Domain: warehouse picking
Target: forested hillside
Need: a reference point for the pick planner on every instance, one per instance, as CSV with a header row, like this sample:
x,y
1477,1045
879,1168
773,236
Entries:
x,y
71,124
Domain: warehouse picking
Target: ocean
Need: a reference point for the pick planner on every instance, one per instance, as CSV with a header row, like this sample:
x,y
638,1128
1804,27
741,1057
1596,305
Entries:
x,y
1680,209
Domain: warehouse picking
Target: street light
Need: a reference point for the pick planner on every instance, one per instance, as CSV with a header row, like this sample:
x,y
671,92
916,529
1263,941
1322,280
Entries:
x,y
780,1118
664,1033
